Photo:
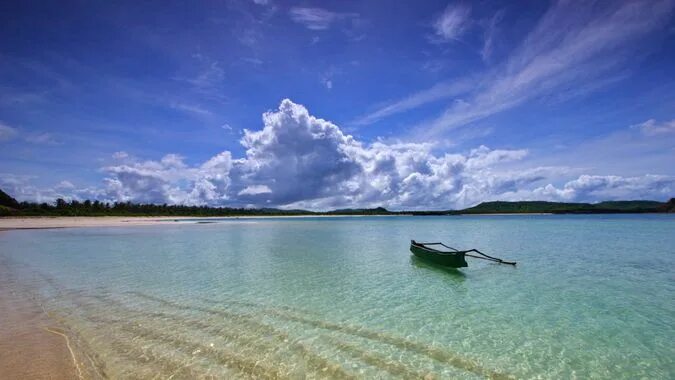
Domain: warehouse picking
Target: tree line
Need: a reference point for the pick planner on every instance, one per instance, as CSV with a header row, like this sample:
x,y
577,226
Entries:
x,y
97,208
10,207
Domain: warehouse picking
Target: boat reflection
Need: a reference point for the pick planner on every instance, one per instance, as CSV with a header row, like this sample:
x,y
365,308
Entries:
x,y
421,263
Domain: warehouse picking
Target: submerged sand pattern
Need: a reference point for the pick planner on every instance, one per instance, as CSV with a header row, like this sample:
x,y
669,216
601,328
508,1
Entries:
x,y
138,335
303,299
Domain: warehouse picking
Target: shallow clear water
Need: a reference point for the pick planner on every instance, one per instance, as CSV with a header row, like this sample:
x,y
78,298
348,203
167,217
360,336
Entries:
x,y
591,297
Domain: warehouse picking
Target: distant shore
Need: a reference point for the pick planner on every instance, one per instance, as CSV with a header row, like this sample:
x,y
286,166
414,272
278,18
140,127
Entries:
x,y
51,222
507,213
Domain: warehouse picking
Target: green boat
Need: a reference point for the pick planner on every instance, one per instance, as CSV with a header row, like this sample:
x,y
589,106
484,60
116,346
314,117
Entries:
x,y
453,258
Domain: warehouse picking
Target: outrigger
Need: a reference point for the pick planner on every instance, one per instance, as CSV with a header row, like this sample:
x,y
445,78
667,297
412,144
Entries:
x,y
453,258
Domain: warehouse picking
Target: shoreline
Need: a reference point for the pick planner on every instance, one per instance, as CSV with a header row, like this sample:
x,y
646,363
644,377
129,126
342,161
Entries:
x,y
509,213
55,222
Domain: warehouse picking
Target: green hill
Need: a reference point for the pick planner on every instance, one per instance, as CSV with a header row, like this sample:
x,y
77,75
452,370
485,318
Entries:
x,y
628,205
668,206
8,205
7,201
361,211
500,207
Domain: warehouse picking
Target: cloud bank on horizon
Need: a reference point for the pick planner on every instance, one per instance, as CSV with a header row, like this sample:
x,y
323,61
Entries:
x,y
300,161
435,106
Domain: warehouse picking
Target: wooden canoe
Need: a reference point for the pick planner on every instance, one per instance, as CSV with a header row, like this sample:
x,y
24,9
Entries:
x,y
454,259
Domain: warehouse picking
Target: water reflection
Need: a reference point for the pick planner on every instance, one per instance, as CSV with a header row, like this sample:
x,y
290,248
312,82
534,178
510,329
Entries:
x,y
451,272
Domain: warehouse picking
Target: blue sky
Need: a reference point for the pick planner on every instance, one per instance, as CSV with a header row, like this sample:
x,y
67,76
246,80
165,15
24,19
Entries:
x,y
423,105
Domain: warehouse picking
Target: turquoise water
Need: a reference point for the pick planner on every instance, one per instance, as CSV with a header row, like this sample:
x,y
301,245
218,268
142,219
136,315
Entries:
x,y
591,297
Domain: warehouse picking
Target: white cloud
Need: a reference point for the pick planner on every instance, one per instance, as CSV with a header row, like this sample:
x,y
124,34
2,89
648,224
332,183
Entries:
x,y
255,190
435,93
318,18
562,50
7,133
598,188
297,155
573,46
490,35
121,155
299,160
12,97
169,180
44,138
191,108
204,78
452,22
22,188
253,61
66,185
627,151
653,128
210,75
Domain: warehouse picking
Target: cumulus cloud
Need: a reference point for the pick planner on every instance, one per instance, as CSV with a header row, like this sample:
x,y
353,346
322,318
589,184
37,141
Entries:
x,y
597,188
169,180
452,22
297,155
22,188
300,161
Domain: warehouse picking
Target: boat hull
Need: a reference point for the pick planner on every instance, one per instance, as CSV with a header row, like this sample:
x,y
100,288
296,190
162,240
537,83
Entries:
x,y
453,260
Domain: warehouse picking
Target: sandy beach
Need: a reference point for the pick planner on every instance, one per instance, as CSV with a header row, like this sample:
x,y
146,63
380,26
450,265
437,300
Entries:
x,y
29,222
76,221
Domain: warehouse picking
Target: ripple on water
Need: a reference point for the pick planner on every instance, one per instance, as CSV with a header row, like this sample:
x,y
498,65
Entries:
x,y
327,299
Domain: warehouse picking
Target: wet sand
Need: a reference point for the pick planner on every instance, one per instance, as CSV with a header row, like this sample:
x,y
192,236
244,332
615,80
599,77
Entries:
x,y
81,221
43,222
32,345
